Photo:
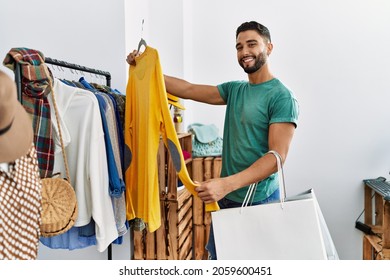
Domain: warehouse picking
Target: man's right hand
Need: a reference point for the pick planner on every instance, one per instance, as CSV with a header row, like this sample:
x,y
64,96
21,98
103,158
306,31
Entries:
x,y
131,57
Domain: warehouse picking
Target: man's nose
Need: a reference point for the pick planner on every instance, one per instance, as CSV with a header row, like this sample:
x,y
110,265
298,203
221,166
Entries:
x,y
245,50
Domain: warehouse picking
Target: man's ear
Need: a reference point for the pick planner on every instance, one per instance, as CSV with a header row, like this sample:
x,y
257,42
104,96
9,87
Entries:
x,y
270,47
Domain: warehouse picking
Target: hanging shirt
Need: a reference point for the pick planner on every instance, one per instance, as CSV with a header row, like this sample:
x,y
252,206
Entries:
x,y
116,183
34,83
147,118
83,136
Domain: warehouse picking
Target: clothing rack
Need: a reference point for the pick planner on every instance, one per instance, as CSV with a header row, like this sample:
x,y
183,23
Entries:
x,y
18,72
18,80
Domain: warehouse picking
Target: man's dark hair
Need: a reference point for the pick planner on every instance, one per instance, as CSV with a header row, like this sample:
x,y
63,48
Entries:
x,y
253,25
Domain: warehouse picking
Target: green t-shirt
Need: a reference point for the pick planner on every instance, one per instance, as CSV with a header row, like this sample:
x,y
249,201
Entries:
x,y
251,108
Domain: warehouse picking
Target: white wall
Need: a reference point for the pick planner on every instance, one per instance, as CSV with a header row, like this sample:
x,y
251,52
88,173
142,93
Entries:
x,y
88,33
333,54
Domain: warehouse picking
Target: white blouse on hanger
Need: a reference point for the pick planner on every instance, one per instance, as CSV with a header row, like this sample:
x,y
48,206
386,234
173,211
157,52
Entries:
x,y
83,135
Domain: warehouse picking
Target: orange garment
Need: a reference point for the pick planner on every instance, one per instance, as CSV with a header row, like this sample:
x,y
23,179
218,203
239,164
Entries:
x,y
147,118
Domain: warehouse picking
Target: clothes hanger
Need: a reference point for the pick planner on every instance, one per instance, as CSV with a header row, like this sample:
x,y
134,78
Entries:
x,y
142,42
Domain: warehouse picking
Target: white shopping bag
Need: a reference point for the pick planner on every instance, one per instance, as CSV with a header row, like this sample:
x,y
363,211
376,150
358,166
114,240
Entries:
x,y
292,229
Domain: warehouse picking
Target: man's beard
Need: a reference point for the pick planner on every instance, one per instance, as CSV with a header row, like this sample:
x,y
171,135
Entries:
x,y
259,62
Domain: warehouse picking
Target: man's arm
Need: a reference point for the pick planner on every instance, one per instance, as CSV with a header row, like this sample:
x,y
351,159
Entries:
x,y
184,89
280,136
202,93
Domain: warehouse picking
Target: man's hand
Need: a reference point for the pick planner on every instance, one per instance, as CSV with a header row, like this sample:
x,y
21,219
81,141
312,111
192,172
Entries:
x,y
131,57
212,190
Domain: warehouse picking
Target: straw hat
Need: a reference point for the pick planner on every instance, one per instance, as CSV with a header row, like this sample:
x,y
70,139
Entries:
x,y
59,206
16,133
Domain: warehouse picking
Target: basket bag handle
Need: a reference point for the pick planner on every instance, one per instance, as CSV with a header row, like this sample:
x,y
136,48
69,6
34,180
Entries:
x,y
59,127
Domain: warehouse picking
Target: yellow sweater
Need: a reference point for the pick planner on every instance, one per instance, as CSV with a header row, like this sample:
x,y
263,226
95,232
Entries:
x,y
148,117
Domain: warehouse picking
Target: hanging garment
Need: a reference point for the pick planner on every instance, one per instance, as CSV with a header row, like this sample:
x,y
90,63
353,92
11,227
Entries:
x,y
85,147
34,96
20,208
116,182
147,117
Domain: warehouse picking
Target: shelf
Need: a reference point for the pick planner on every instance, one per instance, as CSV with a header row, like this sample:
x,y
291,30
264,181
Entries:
x,y
174,239
185,223
377,216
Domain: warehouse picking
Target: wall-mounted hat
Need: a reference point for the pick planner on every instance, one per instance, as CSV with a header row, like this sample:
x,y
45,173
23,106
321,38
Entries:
x,y
16,133
173,100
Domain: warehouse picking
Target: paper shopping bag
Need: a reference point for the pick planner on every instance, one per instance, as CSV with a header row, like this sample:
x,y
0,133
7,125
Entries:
x,y
292,229
330,248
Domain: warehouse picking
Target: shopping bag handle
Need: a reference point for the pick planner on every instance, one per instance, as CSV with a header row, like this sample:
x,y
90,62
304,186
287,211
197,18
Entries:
x,y
282,187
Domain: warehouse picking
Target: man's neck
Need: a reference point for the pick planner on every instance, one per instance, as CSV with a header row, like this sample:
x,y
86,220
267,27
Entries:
x,y
260,76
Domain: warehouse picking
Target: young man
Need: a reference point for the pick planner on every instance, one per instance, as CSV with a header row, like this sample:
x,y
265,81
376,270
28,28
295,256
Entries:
x,y
261,115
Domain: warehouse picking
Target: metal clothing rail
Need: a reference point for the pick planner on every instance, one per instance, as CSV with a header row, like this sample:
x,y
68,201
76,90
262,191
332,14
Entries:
x,y
18,80
18,72
79,67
